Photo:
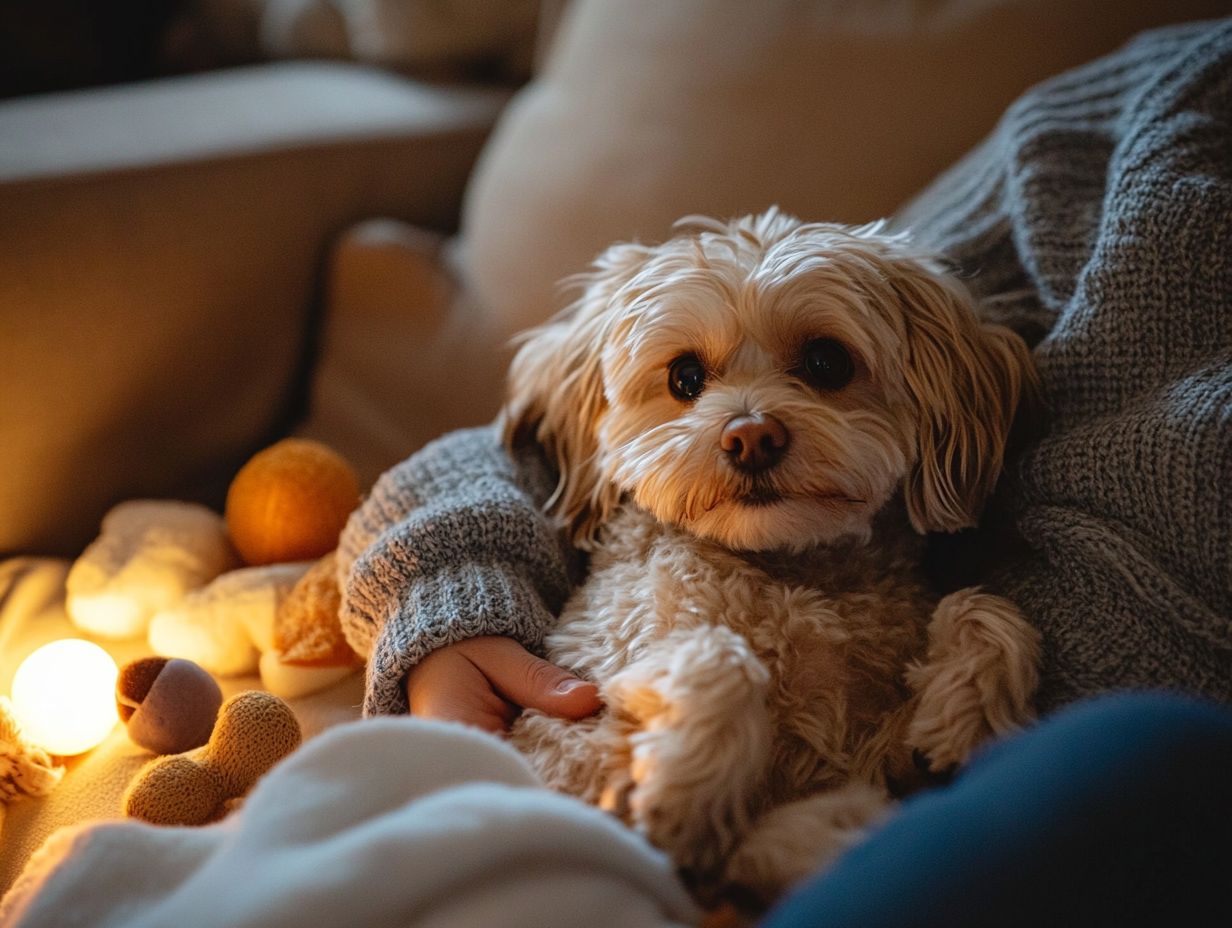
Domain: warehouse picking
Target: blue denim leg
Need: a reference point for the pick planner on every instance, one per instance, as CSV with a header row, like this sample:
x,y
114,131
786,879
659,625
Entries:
x,y
1116,811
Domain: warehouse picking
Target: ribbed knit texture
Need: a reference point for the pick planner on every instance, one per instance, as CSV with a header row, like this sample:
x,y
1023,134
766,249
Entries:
x,y
1099,216
450,544
1097,221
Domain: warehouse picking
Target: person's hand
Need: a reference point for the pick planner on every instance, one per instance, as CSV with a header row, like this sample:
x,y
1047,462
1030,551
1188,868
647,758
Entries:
x,y
487,681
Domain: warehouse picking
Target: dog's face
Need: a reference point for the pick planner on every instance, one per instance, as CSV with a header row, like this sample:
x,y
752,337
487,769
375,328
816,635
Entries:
x,y
770,384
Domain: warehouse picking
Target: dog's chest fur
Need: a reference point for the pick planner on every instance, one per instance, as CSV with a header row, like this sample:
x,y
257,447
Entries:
x,y
834,626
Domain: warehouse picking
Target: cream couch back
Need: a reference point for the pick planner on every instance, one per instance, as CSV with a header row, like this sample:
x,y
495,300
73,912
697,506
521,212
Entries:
x,y
646,111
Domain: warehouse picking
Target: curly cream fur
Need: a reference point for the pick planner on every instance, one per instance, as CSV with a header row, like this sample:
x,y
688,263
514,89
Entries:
x,y
770,664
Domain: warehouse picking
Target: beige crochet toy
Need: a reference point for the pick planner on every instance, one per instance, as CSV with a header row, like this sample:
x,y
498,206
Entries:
x,y
310,650
253,732
25,768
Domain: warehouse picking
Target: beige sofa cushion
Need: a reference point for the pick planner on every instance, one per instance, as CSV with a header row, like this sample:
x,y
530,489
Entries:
x,y
401,356
163,243
647,111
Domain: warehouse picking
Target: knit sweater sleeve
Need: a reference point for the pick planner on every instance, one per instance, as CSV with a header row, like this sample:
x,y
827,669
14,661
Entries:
x,y
450,544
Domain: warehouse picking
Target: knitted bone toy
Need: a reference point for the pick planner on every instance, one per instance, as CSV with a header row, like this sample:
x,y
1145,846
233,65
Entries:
x,y
254,731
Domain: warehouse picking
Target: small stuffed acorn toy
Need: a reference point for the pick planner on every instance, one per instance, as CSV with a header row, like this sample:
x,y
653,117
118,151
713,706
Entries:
x,y
168,705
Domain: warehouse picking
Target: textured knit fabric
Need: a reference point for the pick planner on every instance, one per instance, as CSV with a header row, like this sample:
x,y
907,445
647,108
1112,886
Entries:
x,y
25,769
1097,221
450,544
1100,212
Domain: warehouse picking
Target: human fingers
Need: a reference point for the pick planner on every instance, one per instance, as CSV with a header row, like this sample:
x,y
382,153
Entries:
x,y
446,685
529,681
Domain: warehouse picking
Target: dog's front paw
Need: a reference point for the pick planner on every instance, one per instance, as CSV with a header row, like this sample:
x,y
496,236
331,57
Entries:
x,y
977,679
698,743
675,810
643,796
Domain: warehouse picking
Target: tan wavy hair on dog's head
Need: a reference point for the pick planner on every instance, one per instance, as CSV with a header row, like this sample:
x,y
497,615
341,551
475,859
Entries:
x,y
769,384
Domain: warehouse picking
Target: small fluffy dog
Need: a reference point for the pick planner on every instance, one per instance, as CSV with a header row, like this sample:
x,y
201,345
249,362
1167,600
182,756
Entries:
x,y
754,423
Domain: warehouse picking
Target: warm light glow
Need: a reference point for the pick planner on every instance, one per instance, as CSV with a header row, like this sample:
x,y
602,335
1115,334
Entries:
x,y
64,696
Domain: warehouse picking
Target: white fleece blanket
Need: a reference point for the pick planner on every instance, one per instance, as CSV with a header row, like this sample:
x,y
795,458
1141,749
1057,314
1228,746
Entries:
x,y
386,822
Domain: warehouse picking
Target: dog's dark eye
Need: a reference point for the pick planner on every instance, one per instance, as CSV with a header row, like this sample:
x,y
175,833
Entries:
x,y
826,364
686,377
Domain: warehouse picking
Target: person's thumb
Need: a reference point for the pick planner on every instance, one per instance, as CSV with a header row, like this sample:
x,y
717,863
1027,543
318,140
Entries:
x,y
531,682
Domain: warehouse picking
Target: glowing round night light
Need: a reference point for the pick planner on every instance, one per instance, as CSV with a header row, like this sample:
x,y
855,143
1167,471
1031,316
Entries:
x,y
64,696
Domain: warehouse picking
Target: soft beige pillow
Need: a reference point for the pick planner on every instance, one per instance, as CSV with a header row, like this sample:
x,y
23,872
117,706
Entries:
x,y
647,111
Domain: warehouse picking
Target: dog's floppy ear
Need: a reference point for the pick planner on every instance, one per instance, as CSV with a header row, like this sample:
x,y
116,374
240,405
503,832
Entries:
x,y
556,397
966,380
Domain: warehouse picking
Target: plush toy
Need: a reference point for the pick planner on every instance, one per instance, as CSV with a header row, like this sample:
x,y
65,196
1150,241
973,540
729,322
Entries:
x,y
253,732
170,570
306,628
290,502
232,627
310,650
167,705
149,554
226,626
25,768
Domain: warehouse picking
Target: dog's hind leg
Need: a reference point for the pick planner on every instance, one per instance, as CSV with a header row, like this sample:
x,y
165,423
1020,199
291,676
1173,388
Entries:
x,y
798,839
699,742
977,678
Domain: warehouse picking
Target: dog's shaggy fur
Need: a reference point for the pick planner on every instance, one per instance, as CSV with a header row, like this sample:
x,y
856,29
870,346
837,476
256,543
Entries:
x,y
754,423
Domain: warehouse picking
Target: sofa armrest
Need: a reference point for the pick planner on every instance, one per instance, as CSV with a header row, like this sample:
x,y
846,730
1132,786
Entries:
x,y
162,245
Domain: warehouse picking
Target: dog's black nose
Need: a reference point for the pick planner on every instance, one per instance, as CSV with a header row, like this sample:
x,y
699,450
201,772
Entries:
x,y
754,442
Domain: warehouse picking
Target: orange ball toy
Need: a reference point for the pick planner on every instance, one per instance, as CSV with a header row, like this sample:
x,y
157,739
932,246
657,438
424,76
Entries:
x,y
290,502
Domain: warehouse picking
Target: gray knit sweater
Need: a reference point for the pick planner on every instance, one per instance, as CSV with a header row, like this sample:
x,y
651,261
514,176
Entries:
x,y
1097,221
